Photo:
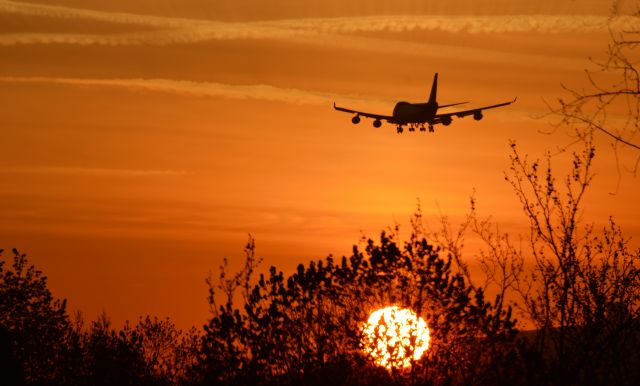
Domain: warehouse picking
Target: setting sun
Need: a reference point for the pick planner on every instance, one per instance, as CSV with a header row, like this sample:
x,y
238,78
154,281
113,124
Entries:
x,y
394,336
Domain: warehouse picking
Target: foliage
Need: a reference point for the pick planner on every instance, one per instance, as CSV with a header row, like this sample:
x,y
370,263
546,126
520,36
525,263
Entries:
x,y
34,321
112,357
577,287
583,292
306,324
169,352
48,348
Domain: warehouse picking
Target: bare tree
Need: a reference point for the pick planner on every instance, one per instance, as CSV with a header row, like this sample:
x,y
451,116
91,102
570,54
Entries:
x,y
578,287
610,107
583,291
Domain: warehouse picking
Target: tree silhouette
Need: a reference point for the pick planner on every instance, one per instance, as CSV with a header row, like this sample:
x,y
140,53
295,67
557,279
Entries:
x,y
583,293
36,324
306,325
114,357
167,351
40,345
153,352
578,287
594,109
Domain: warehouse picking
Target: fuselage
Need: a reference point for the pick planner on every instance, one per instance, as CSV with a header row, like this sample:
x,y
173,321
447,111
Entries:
x,y
407,113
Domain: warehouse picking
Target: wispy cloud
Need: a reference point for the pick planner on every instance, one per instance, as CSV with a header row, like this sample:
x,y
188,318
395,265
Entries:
x,y
239,92
97,172
205,89
182,30
56,11
456,23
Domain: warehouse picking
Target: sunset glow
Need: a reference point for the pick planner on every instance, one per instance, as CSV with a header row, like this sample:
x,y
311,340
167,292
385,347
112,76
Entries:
x,y
394,337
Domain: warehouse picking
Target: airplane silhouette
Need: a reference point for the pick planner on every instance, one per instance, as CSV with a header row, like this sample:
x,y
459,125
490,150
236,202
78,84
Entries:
x,y
416,115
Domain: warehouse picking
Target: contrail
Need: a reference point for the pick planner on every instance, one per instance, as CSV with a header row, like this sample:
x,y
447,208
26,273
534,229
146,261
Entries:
x,y
206,89
238,92
173,30
452,23
104,172
194,31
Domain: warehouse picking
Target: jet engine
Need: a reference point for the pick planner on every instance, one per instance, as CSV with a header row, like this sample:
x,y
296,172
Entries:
x,y
446,120
355,119
477,115
377,123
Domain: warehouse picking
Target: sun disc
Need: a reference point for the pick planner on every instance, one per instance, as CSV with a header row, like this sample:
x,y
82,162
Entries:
x,y
394,337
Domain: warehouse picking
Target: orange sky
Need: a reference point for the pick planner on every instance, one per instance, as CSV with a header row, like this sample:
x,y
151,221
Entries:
x,y
143,140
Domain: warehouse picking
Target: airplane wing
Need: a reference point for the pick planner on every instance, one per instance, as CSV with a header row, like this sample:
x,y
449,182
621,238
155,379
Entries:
x,y
477,112
387,118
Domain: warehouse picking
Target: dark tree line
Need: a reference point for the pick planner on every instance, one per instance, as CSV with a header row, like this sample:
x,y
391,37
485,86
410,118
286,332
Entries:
x,y
581,292
579,289
42,345
304,328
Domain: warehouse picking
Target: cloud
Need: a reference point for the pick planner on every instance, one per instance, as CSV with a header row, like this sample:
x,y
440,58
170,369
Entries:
x,y
171,29
56,11
98,172
242,92
205,89
455,23
183,30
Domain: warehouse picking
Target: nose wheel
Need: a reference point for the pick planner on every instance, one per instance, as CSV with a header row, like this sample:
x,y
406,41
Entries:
x,y
399,129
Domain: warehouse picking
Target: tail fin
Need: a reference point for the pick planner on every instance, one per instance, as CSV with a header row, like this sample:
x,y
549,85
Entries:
x,y
434,89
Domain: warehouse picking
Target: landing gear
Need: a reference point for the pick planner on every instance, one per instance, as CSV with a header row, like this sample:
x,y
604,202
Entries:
x,y
415,126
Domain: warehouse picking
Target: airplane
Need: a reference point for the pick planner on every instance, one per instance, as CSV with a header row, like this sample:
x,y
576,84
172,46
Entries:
x,y
416,115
